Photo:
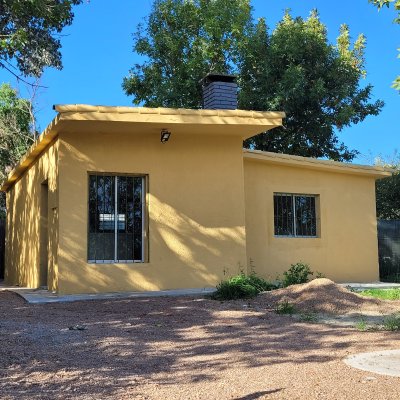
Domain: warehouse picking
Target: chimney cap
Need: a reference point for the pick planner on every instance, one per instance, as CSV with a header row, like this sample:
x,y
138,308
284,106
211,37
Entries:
x,y
212,77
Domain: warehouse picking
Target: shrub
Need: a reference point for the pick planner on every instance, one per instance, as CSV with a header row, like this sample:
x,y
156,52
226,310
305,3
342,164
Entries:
x,y
297,273
241,286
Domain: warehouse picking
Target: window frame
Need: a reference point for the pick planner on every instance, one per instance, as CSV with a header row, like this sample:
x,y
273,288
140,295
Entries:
x,y
293,219
145,219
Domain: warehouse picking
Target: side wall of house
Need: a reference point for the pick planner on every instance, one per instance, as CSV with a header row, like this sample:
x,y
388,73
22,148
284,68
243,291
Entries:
x,y
31,232
196,223
346,249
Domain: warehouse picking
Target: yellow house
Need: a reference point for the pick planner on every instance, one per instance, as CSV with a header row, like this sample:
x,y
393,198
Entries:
x,y
132,199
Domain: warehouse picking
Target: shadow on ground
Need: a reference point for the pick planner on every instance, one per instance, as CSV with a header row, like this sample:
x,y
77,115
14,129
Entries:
x,y
129,346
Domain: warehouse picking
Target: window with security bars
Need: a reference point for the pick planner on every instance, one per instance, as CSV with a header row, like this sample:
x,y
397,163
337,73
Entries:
x,y
295,215
116,219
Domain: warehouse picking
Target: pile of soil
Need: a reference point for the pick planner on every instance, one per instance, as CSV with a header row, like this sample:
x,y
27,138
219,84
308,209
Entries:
x,y
325,296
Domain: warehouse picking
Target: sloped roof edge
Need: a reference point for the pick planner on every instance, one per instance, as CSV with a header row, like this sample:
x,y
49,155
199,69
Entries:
x,y
314,163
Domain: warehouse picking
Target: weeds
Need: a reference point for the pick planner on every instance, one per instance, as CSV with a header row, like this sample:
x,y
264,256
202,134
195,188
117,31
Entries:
x,y
308,316
297,273
392,323
361,325
242,286
285,308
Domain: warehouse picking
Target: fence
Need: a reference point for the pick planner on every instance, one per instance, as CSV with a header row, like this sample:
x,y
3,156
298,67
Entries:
x,y
389,250
2,246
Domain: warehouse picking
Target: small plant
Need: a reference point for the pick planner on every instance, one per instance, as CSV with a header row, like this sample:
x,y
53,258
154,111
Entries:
x,y
392,323
297,273
241,286
319,275
308,316
361,325
285,308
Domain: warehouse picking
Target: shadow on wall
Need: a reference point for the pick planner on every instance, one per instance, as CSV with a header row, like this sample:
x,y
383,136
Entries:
x,y
23,225
2,246
187,249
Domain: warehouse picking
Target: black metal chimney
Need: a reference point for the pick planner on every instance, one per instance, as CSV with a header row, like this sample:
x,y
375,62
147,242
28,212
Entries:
x,y
219,92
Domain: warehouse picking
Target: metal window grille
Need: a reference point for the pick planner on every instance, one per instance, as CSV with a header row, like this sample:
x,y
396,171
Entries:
x,y
295,215
116,207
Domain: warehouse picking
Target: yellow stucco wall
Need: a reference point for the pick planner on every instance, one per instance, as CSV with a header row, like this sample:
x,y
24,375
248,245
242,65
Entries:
x,y
23,229
347,247
195,205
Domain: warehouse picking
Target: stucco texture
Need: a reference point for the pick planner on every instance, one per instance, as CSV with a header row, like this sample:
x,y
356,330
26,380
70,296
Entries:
x,y
25,245
346,249
196,217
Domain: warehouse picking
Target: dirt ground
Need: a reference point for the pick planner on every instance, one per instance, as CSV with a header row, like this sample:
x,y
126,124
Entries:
x,y
189,348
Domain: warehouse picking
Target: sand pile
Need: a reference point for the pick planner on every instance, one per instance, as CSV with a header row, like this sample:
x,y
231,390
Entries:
x,y
325,296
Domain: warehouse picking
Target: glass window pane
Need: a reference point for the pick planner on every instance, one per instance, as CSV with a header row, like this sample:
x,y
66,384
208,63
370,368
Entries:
x,y
283,215
137,218
305,216
102,226
101,218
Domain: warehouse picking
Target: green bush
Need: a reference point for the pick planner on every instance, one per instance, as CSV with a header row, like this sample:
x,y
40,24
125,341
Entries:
x,y
297,273
241,286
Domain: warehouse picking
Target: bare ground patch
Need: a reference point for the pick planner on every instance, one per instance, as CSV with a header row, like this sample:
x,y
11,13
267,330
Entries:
x,y
189,348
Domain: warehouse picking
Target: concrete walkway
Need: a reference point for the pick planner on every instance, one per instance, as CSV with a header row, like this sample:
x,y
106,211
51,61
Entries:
x,y
373,285
41,296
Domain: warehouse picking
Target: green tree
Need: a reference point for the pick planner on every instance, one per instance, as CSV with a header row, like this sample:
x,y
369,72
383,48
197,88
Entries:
x,y
16,133
388,191
295,69
183,40
396,4
316,83
29,31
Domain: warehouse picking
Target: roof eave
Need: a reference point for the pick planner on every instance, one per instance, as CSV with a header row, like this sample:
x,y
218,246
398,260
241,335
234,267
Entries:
x,y
314,163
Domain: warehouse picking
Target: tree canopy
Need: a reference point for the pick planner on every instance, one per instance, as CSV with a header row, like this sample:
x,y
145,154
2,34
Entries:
x,y
317,84
294,69
182,41
388,191
15,132
29,33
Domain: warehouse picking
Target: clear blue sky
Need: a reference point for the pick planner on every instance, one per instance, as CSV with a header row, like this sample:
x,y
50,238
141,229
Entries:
x,y
97,54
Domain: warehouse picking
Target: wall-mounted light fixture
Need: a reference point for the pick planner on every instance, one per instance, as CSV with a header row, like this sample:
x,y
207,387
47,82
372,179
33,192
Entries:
x,y
165,134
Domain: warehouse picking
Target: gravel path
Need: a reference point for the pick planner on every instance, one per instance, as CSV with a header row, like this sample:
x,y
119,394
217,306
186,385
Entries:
x,y
181,348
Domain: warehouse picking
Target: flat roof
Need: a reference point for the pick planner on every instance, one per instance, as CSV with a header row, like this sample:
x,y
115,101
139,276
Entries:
x,y
315,163
88,118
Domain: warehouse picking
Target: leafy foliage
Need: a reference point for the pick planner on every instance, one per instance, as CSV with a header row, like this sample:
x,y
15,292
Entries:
x,y
28,33
317,84
388,193
293,69
15,132
182,41
241,286
396,5
296,274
